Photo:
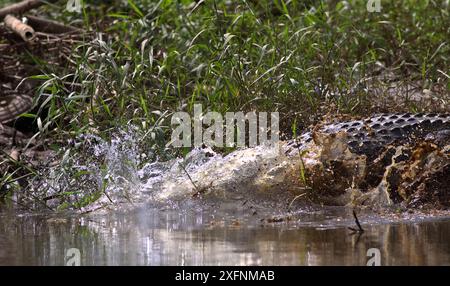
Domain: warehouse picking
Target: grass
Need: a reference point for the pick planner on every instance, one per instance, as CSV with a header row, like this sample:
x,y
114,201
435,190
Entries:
x,y
156,58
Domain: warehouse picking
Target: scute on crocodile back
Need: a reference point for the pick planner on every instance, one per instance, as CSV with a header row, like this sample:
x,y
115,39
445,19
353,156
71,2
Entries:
x,y
369,135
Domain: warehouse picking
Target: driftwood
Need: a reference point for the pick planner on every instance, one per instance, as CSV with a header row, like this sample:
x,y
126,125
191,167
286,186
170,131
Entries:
x,y
21,7
23,30
48,26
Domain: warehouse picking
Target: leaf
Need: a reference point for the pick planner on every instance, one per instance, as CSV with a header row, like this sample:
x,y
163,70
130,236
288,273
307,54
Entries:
x,y
135,8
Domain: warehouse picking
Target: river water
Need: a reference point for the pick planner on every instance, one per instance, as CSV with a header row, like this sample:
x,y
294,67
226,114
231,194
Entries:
x,y
209,236
234,214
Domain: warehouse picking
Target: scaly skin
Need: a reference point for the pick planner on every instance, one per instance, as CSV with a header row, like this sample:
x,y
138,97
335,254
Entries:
x,y
13,105
370,135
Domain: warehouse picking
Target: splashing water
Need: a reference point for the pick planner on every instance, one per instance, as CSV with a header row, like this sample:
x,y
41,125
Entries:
x,y
128,171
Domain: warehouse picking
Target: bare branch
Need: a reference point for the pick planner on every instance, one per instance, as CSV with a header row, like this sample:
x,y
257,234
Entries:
x,y
21,7
49,26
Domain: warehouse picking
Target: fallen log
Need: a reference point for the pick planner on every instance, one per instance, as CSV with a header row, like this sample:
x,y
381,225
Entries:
x,y
49,26
21,29
21,7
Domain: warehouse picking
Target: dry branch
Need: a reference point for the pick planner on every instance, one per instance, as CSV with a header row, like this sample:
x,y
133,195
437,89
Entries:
x,y
48,26
22,7
23,30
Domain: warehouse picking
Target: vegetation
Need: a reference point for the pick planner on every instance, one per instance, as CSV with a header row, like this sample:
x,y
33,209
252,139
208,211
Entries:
x,y
304,59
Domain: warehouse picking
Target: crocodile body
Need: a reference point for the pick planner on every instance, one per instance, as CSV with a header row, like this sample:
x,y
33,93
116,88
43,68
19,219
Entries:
x,y
368,136
394,158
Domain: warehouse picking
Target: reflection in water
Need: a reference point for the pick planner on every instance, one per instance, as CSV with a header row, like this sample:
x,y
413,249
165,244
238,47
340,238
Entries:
x,y
170,238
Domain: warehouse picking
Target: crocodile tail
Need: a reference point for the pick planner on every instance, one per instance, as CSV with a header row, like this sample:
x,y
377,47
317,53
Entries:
x,y
13,105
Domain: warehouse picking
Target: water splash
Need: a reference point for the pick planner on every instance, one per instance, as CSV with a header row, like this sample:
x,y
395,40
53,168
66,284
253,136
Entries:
x,y
124,170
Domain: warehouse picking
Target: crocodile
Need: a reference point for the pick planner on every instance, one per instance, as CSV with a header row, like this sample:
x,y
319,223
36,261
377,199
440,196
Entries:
x,y
396,158
370,135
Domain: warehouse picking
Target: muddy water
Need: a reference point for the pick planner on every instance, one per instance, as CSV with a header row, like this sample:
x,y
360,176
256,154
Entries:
x,y
199,236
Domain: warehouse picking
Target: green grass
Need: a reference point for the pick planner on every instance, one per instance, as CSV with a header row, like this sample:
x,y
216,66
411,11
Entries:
x,y
248,55
159,57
